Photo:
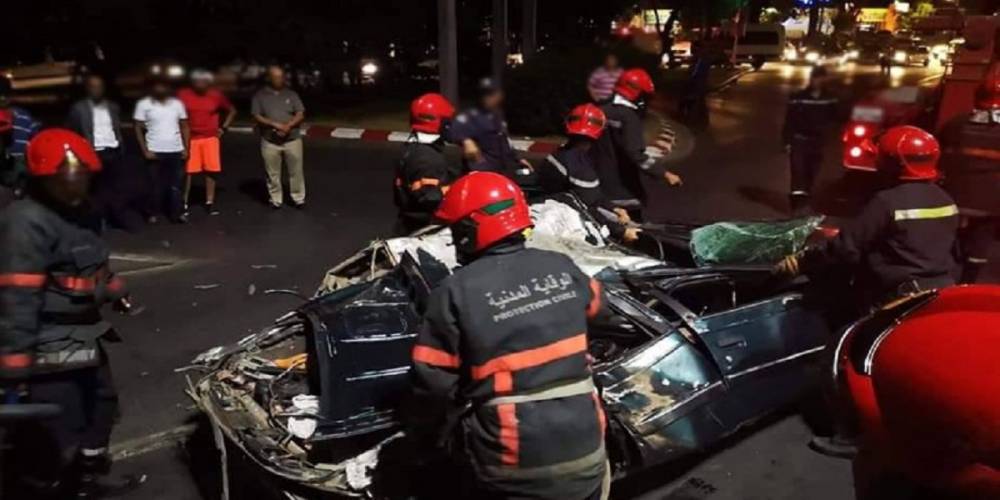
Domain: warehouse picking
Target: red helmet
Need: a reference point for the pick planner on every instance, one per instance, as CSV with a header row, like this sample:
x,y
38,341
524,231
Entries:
x,y
923,378
6,121
483,208
586,120
915,150
988,95
48,150
428,111
634,83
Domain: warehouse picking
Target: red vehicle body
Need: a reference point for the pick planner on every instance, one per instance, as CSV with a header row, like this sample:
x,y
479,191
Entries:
x,y
922,377
874,115
909,106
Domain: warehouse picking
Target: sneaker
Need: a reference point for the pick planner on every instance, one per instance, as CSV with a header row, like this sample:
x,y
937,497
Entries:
x,y
183,218
834,446
275,206
300,206
95,487
210,208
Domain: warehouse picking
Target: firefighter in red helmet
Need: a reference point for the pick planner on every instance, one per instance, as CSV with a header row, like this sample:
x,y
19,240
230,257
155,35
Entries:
x,y
620,153
506,335
922,379
904,239
423,174
972,174
54,278
571,169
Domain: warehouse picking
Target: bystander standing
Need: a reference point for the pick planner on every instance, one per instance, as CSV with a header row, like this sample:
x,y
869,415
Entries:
x,y
279,112
161,127
98,120
602,80
22,128
204,106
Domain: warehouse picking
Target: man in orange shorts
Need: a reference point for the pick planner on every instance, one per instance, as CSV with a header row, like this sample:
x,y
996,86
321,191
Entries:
x,y
205,105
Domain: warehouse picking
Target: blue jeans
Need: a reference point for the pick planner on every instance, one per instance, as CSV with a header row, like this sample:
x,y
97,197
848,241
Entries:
x,y
167,172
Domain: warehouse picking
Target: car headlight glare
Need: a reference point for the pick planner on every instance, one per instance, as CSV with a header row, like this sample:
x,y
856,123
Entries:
x,y
899,56
369,69
812,56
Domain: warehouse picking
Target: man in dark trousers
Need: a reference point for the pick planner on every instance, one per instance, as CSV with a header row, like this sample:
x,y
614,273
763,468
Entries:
x,y
972,175
904,239
808,117
119,193
422,176
54,278
571,169
507,335
620,153
482,134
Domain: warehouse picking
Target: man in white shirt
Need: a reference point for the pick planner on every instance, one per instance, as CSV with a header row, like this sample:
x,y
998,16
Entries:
x,y
117,194
161,128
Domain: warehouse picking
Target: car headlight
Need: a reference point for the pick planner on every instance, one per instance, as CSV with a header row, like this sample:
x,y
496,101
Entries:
x,y
899,56
791,54
812,56
853,55
369,69
175,71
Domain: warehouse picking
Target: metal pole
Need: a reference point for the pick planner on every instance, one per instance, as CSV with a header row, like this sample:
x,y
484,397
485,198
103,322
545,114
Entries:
x,y
499,38
447,50
529,29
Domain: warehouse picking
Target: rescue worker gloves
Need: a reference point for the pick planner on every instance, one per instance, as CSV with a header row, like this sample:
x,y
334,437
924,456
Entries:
x,y
789,267
914,150
586,120
52,148
633,84
430,113
482,209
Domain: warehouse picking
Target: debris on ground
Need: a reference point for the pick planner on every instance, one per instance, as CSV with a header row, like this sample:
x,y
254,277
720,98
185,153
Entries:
x,y
263,266
207,286
252,289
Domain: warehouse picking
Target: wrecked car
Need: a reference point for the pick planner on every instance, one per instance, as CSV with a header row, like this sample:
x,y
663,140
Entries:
x,y
689,356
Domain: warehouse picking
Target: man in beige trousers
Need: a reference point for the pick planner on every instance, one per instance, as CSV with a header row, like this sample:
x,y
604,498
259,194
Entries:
x,y
279,113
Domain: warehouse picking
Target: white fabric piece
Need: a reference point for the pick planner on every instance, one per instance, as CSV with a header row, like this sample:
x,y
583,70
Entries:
x,y
558,228
347,133
104,130
304,427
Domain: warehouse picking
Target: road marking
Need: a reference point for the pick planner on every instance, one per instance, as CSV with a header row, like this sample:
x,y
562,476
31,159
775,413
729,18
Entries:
x,y
151,442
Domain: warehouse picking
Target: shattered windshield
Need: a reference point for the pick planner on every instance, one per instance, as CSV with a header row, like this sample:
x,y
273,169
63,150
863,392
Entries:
x,y
750,242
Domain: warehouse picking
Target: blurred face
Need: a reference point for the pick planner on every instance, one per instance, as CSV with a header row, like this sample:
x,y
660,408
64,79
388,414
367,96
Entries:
x,y
200,85
69,185
160,90
95,88
493,101
275,77
611,61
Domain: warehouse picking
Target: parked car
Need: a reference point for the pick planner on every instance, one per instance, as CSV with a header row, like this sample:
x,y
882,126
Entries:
x,y
690,356
759,44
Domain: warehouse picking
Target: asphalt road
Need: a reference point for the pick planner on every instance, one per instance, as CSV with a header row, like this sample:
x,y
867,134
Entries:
x,y
203,285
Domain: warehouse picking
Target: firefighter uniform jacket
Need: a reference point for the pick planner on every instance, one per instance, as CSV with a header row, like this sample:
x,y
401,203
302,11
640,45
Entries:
x,y
971,167
489,131
620,155
54,278
808,117
572,170
905,236
508,334
422,178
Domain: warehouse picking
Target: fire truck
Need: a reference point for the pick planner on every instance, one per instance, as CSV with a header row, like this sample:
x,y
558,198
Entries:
x,y
952,98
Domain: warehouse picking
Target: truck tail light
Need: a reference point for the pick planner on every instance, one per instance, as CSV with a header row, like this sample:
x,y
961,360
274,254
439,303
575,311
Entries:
x,y
855,152
860,130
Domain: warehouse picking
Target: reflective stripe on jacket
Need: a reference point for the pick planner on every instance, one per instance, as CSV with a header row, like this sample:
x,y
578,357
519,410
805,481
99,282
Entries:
x,y
508,334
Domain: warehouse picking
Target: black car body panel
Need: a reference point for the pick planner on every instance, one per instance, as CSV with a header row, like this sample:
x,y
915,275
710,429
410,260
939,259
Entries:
x,y
688,357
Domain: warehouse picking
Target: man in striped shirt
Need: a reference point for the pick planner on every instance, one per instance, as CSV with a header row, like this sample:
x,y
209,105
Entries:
x,y
602,80
24,127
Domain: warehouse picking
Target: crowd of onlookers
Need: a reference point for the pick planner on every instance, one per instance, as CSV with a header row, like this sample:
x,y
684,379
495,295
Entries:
x,y
177,132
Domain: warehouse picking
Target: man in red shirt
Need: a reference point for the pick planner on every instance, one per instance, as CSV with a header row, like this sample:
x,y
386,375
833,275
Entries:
x,y
205,105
